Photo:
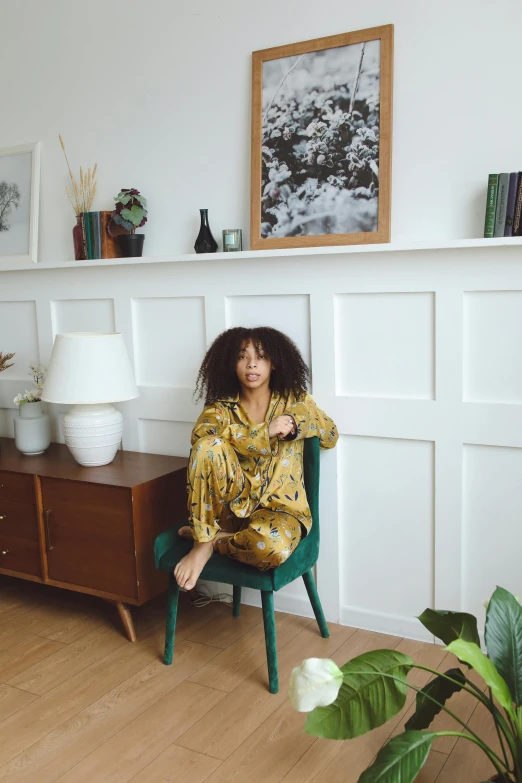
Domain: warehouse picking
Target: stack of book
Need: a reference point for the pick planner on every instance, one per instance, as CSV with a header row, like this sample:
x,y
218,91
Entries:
x,y
97,242
504,205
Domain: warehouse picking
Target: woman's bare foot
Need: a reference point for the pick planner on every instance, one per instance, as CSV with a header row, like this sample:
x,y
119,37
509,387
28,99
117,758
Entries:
x,y
189,568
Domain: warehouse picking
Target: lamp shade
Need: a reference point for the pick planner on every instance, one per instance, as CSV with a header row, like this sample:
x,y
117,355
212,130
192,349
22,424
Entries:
x,y
88,368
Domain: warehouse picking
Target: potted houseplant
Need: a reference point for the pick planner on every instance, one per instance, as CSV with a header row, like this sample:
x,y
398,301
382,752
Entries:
x,y
129,214
370,689
32,426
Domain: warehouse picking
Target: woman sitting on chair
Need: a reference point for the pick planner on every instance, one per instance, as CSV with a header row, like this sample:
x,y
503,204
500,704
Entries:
x,y
245,476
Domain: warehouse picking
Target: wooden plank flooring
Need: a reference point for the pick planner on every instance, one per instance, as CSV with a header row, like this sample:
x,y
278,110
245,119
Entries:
x,y
80,704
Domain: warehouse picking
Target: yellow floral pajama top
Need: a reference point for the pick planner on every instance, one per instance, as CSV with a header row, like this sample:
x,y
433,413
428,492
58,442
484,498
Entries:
x,y
251,484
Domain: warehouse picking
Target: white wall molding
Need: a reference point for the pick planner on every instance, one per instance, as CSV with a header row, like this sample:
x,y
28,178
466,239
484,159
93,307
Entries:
x,y
419,371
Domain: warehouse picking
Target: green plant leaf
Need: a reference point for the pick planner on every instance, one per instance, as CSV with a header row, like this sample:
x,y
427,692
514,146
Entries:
x,y
448,626
142,200
367,698
124,199
401,759
439,689
504,639
134,215
470,653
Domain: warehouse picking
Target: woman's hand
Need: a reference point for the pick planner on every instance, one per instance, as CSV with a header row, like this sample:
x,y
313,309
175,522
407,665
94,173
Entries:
x,y
281,427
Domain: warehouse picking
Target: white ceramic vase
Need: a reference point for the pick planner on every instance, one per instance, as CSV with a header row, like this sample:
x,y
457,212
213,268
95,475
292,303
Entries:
x,y
93,433
32,429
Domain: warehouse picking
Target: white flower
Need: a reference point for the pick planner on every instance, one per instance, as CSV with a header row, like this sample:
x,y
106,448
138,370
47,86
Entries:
x,y
288,533
264,451
194,464
208,508
285,463
218,442
315,683
260,545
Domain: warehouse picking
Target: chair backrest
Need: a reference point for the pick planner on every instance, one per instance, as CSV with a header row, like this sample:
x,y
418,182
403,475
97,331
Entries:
x,y
311,460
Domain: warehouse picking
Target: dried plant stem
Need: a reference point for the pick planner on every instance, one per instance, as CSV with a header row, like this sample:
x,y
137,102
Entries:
x,y
356,80
83,193
4,361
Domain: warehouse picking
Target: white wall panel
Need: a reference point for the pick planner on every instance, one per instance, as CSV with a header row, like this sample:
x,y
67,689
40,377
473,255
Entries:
x,y
385,345
386,491
6,422
492,346
390,545
83,315
19,335
169,340
289,314
492,530
165,437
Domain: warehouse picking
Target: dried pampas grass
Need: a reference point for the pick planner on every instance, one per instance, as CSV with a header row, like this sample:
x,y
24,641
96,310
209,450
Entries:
x,y
82,195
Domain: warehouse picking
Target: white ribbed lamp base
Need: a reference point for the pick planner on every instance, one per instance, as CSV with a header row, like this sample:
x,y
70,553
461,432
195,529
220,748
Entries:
x,y
93,433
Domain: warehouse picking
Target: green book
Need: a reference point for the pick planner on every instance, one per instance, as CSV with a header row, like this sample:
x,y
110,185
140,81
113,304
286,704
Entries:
x,y
88,235
491,206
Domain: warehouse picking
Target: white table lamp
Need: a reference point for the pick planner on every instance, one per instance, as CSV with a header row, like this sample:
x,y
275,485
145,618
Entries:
x,y
89,370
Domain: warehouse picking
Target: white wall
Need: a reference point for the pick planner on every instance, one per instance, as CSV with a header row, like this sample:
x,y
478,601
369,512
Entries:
x,y
416,356
158,93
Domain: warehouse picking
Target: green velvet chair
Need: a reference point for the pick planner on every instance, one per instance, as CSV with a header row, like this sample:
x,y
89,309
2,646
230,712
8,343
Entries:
x,y
169,548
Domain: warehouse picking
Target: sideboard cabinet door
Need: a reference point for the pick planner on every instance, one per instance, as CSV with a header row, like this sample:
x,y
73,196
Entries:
x,y
90,535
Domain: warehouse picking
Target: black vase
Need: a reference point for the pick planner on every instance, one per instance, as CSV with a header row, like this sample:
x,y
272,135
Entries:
x,y
205,243
131,245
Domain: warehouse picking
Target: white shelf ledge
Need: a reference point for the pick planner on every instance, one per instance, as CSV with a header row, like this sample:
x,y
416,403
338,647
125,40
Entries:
x,y
391,247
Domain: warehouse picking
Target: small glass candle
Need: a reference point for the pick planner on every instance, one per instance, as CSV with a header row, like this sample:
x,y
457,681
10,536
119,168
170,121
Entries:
x,y
232,240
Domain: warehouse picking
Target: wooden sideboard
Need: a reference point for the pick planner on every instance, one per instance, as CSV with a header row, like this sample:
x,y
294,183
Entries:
x,y
91,530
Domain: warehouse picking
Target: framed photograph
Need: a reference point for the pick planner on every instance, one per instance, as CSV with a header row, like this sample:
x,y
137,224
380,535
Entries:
x,y
19,197
321,141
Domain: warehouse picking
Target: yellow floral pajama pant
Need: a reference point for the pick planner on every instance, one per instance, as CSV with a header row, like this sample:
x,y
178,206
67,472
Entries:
x,y
263,538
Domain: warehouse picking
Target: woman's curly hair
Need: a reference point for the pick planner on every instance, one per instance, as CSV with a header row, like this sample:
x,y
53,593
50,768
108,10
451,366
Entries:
x,y
217,376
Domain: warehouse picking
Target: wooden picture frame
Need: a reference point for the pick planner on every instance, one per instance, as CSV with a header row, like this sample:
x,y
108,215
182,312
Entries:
x,y
321,169
19,204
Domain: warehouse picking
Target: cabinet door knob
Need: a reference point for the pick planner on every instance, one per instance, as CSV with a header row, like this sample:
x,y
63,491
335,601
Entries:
x,y
5,551
3,516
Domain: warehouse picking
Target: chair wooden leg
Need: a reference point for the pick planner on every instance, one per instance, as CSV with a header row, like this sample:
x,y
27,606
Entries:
x,y
267,600
313,595
236,600
172,613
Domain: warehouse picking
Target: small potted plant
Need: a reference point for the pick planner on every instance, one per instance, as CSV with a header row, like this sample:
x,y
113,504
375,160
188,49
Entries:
x,y
129,214
32,426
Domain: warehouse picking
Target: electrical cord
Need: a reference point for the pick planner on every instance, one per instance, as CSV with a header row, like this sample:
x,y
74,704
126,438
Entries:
x,y
205,596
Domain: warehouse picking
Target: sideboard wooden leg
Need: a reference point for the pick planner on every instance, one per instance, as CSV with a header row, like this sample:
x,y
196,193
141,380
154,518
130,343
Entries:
x,y
126,618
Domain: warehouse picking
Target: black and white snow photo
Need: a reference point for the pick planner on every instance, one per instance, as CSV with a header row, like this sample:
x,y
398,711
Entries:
x,y
320,142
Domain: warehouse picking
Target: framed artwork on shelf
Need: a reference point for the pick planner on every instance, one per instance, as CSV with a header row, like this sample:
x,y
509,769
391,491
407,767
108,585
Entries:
x,y
19,201
321,141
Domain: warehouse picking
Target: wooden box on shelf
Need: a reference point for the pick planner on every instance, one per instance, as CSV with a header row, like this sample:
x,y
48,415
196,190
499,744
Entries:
x,y
91,530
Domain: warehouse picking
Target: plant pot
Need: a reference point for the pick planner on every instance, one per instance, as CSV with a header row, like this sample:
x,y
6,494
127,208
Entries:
x,y
32,429
131,245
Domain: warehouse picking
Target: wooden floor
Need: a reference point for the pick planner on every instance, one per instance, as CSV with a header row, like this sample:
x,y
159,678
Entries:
x,y
81,704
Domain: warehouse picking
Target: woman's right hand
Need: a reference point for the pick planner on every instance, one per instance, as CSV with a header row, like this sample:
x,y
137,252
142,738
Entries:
x,y
281,427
